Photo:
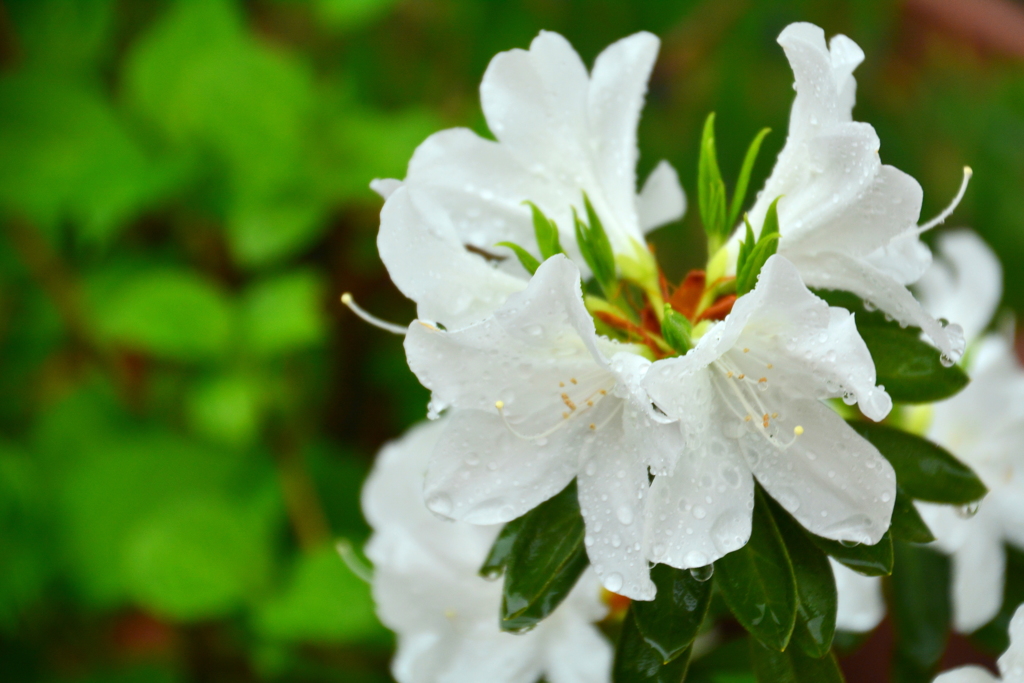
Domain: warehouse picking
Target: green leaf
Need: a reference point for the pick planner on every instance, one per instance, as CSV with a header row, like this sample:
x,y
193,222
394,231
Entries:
x,y
670,622
740,194
711,188
815,587
758,583
63,37
283,313
547,558
501,550
920,611
869,560
910,369
226,409
637,661
995,635
546,232
924,470
351,15
322,602
767,245
196,559
677,330
529,262
907,524
169,313
262,231
727,663
793,666
596,249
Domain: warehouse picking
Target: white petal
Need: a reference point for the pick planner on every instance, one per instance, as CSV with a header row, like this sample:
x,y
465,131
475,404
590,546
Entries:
x,y
840,271
537,354
978,569
618,85
613,487
965,286
1011,664
832,480
662,199
580,654
861,605
824,80
703,509
428,262
499,657
657,436
905,259
967,674
385,187
483,474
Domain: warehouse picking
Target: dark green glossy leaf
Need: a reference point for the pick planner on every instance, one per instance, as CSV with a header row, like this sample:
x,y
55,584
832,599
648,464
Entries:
x,y
727,663
793,666
870,560
670,622
636,661
528,260
815,587
547,559
865,316
907,524
501,551
546,232
909,368
758,583
920,611
740,193
924,470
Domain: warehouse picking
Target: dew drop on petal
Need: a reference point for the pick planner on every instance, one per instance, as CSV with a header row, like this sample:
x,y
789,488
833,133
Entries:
x,y
702,573
613,582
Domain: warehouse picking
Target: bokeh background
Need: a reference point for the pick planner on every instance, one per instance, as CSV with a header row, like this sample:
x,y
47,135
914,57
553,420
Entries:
x,y
186,410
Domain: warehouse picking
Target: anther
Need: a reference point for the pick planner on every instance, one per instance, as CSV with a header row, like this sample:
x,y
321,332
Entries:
x,y
746,350
770,366
747,418
573,380
941,218
729,374
798,430
603,392
347,299
593,426
741,377
499,404
590,404
561,384
763,379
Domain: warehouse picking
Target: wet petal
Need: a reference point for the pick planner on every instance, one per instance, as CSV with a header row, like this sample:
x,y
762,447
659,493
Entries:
x,y
861,605
662,199
979,566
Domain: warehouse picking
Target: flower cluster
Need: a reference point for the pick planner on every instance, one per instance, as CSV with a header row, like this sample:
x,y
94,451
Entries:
x,y
597,425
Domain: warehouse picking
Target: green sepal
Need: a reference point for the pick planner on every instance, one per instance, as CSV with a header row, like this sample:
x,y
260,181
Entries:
x,y
595,247
526,258
815,587
792,666
907,524
869,560
924,470
711,188
758,583
546,560
637,661
671,621
546,232
746,244
501,550
910,369
677,330
753,255
740,193
920,604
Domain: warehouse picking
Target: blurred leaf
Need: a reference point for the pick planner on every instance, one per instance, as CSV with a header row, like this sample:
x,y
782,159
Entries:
x,y
670,622
283,313
909,368
637,661
322,602
793,666
338,476
727,663
907,524
920,608
924,470
869,560
547,559
758,583
63,36
171,314
196,559
348,15
995,635
64,154
226,409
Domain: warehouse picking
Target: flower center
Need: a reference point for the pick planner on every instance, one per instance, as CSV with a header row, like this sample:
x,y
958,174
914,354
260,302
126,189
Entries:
x,y
744,385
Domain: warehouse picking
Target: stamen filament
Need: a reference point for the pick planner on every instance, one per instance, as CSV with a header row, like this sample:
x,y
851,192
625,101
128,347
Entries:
x,y
941,218
347,299
353,561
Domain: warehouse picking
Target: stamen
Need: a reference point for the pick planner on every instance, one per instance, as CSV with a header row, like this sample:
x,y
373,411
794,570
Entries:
x,y
561,385
741,377
353,561
568,402
593,426
941,218
346,299
729,374
762,380
770,366
798,430
746,350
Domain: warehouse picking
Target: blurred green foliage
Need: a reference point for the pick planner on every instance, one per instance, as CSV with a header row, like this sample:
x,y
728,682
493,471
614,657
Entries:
x,y
186,412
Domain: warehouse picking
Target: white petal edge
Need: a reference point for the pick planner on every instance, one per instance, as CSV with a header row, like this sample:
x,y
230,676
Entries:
x,y
661,200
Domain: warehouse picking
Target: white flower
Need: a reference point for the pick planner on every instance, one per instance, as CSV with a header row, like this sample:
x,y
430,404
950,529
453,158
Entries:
x,y
749,400
846,220
446,617
536,401
560,132
861,605
1011,664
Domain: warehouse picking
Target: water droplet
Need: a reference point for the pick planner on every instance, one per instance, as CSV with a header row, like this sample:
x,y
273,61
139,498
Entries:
x,y
625,514
969,510
440,503
699,512
613,582
703,573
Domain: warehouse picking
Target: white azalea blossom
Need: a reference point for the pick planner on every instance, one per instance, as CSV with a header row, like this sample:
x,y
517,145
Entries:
x,y
561,132
846,220
1011,664
861,605
749,400
537,398
446,617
